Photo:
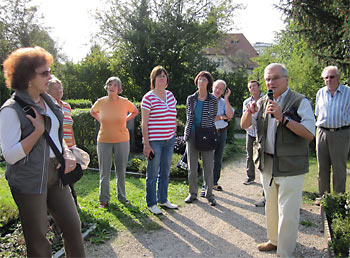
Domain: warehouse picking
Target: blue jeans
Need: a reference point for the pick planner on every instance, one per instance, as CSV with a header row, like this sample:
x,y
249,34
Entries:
x,y
159,169
218,155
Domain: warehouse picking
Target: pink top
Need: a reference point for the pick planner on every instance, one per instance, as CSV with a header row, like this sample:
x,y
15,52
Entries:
x,y
162,117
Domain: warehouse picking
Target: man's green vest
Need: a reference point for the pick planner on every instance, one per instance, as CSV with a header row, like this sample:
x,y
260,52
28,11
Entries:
x,y
291,150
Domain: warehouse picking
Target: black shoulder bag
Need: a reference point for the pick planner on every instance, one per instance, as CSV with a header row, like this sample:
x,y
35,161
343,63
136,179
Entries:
x,y
68,178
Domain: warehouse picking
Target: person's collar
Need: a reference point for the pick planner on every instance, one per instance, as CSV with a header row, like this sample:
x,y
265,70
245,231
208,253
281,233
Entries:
x,y
339,88
283,95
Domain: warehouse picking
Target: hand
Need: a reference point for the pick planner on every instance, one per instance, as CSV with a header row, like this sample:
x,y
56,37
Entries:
x,y
252,107
70,162
227,94
275,109
38,121
147,150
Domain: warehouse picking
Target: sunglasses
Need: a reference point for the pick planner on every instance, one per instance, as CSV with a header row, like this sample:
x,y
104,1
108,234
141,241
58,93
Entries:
x,y
44,73
329,77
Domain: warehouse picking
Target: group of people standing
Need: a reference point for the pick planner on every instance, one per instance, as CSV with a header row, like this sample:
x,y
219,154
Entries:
x,y
279,129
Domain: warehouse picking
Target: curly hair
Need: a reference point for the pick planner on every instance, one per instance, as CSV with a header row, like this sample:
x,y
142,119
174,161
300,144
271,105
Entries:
x,y
207,75
20,65
155,72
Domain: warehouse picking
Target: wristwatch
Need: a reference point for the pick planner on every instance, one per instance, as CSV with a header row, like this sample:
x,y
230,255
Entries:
x,y
286,121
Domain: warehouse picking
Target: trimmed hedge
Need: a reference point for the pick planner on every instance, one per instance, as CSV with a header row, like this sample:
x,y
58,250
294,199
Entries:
x,y
79,103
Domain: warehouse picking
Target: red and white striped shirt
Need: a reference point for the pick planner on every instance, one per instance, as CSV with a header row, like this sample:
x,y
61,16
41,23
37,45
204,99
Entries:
x,y
162,117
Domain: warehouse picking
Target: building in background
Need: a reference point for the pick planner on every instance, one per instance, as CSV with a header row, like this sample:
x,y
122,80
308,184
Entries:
x,y
261,46
233,51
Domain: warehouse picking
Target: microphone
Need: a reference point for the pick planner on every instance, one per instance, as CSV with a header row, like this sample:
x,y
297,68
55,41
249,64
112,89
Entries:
x,y
270,96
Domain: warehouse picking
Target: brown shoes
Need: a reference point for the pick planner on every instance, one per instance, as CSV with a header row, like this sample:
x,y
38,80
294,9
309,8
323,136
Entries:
x,y
266,247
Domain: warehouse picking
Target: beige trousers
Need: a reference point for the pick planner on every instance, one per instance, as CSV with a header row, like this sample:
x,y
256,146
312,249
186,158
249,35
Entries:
x,y
282,209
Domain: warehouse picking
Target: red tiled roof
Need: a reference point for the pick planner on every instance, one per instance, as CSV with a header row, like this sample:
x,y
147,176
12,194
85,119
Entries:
x,y
230,44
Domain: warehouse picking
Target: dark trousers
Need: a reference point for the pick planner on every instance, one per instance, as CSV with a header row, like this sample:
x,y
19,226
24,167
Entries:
x,y
218,155
59,203
250,163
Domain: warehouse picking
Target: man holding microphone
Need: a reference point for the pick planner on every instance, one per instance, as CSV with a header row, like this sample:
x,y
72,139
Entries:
x,y
285,125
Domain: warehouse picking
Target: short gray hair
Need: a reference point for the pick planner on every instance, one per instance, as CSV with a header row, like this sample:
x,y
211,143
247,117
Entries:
x,y
331,67
219,81
282,66
53,81
117,80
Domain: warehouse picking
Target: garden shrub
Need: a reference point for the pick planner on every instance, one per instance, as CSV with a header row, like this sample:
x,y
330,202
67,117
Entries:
x,y
337,209
79,103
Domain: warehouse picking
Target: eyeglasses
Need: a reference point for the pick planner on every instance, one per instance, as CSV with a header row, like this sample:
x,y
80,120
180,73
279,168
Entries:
x,y
202,79
273,79
44,73
329,77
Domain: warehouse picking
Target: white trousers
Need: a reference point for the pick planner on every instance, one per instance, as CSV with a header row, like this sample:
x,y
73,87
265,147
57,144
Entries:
x,y
282,209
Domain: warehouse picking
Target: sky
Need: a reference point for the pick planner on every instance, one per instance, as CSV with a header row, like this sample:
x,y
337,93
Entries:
x,y
72,24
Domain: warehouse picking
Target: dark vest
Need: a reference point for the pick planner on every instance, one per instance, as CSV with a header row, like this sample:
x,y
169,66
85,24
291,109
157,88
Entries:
x,y
29,175
291,150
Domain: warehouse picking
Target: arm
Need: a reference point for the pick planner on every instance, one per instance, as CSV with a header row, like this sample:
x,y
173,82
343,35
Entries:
x,y
146,145
228,107
306,126
246,119
95,115
15,149
132,114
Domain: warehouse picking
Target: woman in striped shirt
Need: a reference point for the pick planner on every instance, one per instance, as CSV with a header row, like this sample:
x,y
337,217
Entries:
x,y
201,110
158,109
56,91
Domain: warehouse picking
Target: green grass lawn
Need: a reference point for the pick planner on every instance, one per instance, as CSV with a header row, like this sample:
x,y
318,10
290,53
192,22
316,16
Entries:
x,y
135,216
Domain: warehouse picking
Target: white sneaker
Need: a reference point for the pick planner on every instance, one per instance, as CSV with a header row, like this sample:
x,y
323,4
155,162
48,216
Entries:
x,y
155,210
168,205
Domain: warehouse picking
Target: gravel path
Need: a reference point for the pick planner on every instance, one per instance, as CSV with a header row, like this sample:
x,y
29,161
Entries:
x,y
233,228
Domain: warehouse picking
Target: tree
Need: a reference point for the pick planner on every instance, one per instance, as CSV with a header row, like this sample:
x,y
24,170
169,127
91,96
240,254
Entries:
x,y
20,27
325,27
86,79
303,67
171,33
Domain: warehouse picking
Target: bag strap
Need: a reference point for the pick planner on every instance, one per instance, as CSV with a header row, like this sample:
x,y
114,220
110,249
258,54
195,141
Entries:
x,y
53,146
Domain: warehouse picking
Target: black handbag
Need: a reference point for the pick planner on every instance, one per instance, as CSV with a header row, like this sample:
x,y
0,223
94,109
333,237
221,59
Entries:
x,y
206,138
182,163
68,178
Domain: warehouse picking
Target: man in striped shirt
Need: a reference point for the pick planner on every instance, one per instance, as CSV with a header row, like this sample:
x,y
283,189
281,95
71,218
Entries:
x,y
333,131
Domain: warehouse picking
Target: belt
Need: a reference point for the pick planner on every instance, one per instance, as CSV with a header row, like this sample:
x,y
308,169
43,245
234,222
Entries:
x,y
221,129
335,129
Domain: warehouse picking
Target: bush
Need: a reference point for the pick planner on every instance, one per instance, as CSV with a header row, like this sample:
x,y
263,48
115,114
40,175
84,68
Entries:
x,y
337,209
79,103
85,127
8,208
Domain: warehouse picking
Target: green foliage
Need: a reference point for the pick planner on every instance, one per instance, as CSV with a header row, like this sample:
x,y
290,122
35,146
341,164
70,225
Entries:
x,y
308,223
303,68
337,209
8,208
85,127
237,82
86,79
325,26
20,26
79,103
341,236
144,34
